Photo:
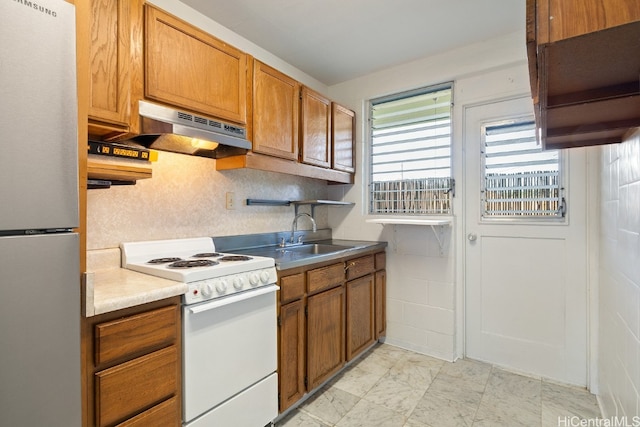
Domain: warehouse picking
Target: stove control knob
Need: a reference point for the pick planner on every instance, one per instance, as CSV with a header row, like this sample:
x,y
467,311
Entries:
x,y
254,279
221,286
206,290
238,283
264,277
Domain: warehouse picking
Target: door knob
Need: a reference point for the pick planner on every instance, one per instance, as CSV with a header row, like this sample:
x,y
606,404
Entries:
x,y
472,237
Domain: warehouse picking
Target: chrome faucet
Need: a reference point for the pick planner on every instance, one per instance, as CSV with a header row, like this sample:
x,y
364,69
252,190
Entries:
x,y
294,225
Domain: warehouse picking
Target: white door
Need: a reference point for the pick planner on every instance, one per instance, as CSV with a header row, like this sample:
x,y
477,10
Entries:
x,y
525,280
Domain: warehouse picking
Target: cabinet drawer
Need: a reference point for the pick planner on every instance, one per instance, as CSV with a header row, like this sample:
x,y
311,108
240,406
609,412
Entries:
x,y
124,390
166,414
360,266
291,287
136,334
325,277
381,260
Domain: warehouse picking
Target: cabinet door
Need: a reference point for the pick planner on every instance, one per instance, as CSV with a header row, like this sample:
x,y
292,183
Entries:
x,y
189,68
325,335
343,138
291,335
110,59
381,303
275,112
315,123
360,315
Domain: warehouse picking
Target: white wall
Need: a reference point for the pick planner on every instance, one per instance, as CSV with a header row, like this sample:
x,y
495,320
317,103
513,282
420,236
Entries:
x,y
424,288
619,288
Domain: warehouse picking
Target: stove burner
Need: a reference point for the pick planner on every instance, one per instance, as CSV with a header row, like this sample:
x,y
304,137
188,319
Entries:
x,y
193,263
235,258
207,255
163,260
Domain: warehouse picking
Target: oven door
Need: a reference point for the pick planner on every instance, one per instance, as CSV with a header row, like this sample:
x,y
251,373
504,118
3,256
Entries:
x,y
230,348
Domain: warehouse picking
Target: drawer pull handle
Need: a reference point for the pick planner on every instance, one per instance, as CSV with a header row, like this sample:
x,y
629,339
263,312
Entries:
x,y
351,264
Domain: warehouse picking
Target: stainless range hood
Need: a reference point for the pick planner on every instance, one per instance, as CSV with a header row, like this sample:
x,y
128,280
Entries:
x,y
167,129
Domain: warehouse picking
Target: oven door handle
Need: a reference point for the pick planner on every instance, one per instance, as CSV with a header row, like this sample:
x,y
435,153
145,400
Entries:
x,y
233,299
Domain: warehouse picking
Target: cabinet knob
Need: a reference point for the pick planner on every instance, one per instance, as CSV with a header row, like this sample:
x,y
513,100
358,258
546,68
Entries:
x,y
472,237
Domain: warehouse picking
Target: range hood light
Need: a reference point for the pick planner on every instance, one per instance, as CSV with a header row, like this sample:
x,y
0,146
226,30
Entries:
x,y
201,144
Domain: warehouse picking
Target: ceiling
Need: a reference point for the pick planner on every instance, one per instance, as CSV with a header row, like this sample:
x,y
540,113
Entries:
x,y
338,40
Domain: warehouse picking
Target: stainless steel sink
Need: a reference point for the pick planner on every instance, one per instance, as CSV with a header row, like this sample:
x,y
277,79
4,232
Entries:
x,y
315,249
297,255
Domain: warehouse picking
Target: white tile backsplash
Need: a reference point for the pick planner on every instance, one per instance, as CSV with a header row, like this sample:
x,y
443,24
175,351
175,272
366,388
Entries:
x,y
619,288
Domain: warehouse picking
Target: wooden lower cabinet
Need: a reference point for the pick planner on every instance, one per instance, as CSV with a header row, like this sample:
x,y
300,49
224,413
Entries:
x,y
360,331
291,345
329,314
132,387
134,371
325,335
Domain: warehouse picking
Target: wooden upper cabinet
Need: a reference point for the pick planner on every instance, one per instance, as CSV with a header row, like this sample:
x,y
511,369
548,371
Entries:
x,y
186,67
315,128
583,65
275,112
361,313
562,19
343,138
112,24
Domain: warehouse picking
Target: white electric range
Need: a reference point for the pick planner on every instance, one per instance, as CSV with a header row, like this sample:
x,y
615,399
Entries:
x,y
229,329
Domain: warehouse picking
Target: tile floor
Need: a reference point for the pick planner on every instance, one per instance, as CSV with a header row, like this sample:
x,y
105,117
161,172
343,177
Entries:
x,y
392,387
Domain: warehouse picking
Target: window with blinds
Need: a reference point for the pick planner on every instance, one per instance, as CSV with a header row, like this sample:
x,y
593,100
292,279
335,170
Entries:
x,y
410,153
520,180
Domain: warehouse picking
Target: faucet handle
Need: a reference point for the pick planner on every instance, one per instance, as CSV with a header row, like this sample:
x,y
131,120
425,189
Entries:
x,y
282,244
300,238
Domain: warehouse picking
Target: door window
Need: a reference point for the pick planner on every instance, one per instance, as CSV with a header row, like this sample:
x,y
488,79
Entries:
x,y
519,180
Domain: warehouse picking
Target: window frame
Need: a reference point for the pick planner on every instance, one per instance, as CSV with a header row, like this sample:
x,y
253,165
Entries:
x,y
515,219
368,177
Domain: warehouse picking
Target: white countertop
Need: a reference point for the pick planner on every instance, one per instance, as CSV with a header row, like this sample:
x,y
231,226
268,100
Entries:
x,y
110,288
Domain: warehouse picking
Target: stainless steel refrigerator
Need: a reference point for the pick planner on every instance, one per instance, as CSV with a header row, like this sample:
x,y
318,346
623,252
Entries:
x,y
39,252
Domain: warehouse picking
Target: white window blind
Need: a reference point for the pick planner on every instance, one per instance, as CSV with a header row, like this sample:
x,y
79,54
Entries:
x,y
520,179
410,155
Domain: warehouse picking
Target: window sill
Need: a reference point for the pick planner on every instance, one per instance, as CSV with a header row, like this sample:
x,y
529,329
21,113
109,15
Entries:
x,y
412,220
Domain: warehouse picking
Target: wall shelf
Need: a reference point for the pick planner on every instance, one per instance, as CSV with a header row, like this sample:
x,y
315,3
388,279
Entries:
x,y
314,203
439,222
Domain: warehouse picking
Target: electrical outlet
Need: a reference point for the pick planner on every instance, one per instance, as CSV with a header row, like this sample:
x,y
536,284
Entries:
x,y
231,200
